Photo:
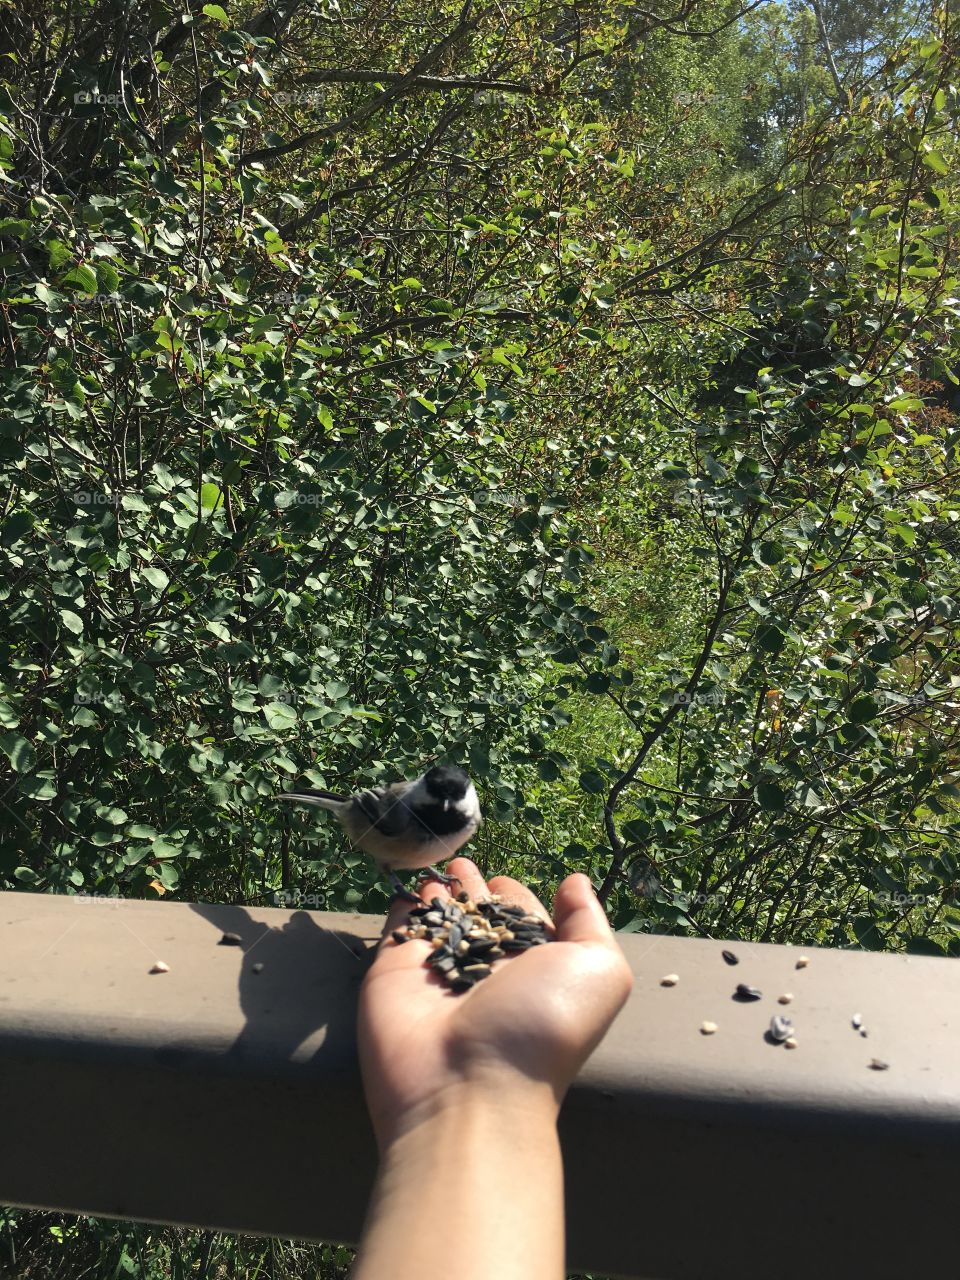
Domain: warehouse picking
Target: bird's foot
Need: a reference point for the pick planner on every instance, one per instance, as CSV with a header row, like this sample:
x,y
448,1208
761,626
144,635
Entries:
x,y
400,892
431,873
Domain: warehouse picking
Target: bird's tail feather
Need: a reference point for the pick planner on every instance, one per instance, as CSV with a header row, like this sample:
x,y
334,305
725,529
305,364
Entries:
x,y
309,795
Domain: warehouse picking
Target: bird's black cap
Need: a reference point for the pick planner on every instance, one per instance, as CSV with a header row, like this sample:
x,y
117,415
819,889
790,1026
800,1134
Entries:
x,y
446,782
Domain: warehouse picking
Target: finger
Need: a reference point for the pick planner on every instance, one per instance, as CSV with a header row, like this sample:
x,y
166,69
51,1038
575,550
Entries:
x,y
578,913
399,908
515,894
468,873
429,889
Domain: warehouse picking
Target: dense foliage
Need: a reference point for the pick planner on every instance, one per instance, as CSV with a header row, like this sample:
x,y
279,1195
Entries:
x,y
326,388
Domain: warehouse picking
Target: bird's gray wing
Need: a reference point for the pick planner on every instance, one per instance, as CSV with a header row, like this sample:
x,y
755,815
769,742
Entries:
x,y
385,809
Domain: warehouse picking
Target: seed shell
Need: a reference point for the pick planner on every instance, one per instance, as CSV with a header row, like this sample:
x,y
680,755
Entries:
x,y
780,1028
730,957
707,1028
670,980
743,992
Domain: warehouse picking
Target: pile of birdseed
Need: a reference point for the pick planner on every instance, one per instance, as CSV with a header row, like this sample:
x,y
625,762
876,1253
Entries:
x,y
468,936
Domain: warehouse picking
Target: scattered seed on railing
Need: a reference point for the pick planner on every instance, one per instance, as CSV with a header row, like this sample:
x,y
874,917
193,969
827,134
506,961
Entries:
x,y
257,968
730,957
707,1028
802,963
466,936
785,998
781,1028
857,1021
790,1042
877,1065
743,992
160,967
670,980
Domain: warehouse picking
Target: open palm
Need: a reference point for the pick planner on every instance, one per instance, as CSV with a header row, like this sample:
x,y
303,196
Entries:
x,y
536,1018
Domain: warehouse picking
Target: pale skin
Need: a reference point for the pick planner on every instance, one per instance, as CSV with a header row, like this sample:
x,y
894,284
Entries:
x,y
464,1091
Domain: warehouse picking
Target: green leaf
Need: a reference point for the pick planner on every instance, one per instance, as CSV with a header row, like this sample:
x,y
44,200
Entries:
x,y
219,15
211,496
280,716
155,576
18,751
16,527
771,639
863,710
592,782
769,796
83,279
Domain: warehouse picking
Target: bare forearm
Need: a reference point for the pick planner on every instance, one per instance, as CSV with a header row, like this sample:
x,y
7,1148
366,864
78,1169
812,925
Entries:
x,y
474,1189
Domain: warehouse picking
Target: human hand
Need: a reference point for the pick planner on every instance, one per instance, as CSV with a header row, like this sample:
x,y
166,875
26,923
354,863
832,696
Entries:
x,y
520,1035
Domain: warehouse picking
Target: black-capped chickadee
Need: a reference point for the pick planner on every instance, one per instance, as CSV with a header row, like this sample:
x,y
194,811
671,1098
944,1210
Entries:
x,y
407,825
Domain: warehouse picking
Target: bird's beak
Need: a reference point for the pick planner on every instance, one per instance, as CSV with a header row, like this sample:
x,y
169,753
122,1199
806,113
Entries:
x,y
446,805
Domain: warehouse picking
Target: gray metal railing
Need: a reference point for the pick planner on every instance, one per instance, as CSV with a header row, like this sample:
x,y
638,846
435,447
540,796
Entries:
x,y
224,1093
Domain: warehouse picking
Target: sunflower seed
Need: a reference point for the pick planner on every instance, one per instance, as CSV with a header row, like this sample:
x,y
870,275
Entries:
x,y
257,968
399,935
670,980
476,971
790,1042
230,940
160,967
463,896
743,992
857,1021
707,1028
877,1064
455,936
802,962
730,957
785,998
864,1032
780,1028
433,918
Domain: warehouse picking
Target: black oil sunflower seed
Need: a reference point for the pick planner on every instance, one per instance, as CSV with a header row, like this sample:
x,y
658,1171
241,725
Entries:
x,y
743,992
730,957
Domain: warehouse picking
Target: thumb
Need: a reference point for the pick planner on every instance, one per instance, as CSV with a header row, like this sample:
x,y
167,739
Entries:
x,y
577,912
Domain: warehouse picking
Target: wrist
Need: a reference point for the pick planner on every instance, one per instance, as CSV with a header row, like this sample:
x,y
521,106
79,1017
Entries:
x,y
485,1106
489,1160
